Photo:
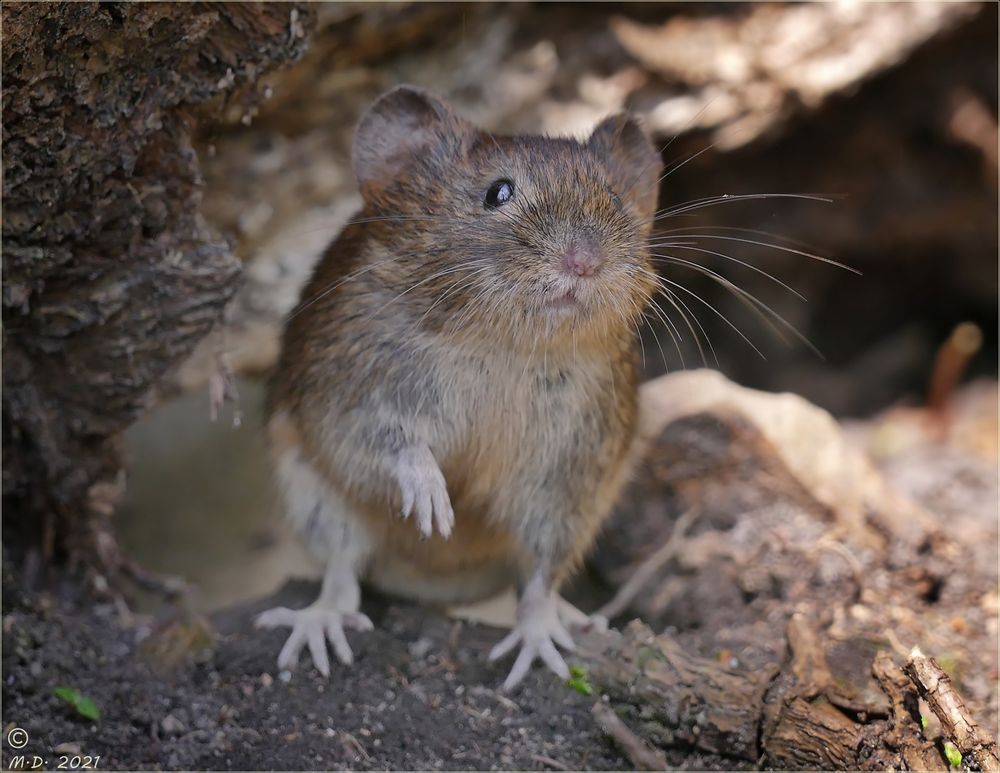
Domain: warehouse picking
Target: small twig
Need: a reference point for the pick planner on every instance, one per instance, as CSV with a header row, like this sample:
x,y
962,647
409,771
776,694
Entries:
x,y
936,688
649,567
950,364
350,743
503,700
554,764
639,753
916,752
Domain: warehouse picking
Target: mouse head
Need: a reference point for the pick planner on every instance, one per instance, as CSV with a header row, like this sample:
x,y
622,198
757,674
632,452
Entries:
x,y
548,233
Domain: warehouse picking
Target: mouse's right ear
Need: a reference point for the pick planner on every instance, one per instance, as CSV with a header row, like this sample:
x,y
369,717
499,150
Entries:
x,y
402,130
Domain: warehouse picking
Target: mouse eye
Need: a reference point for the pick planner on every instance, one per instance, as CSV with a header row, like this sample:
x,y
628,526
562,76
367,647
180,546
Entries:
x,y
499,193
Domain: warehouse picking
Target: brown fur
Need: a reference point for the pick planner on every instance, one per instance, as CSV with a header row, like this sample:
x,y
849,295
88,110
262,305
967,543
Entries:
x,y
528,411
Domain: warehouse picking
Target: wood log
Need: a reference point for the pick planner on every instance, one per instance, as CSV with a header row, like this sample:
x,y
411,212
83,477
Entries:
x,y
670,697
110,274
791,716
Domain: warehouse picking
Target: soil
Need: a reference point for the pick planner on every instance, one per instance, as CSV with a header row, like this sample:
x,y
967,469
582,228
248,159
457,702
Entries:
x,y
420,695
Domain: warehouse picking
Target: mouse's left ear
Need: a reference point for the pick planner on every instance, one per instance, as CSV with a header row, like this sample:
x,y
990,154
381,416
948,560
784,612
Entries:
x,y
632,159
404,135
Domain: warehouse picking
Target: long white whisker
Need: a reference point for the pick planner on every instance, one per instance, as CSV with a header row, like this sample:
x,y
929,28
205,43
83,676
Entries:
x,y
672,331
752,267
803,253
728,198
678,303
722,316
755,304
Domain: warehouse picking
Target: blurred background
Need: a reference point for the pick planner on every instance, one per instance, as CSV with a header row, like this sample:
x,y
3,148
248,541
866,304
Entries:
x,y
888,112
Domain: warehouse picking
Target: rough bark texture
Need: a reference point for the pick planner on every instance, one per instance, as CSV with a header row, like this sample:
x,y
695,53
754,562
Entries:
x,y
793,717
936,688
110,274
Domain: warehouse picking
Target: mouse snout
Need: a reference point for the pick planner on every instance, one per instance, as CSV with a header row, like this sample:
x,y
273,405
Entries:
x,y
583,257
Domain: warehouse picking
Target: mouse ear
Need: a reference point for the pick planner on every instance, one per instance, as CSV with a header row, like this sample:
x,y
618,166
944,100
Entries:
x,y
398,133
632,159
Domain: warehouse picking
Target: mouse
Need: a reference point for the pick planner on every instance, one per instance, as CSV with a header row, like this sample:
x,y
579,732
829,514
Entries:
x,y
456,395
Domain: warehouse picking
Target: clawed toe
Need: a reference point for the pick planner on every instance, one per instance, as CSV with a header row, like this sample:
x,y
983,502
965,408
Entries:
x,y
531,651
538,631
424,492
313,627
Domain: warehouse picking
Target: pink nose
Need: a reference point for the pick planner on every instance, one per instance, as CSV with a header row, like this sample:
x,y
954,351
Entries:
x,y
583,257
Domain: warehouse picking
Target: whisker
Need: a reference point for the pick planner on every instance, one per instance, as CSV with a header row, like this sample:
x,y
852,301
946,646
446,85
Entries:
x,y
752,267
683,310
769,245
642,347
652,329
722,316
751,301
669,142
461,284
435,275
737,291
692,157
672,331
674,300
728,198
315,299
756,231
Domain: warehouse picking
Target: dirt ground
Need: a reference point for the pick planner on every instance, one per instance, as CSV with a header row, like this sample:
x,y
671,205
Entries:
x,y
420,695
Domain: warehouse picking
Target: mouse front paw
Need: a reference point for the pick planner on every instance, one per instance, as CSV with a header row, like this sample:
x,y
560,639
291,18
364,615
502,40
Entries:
x,y
424,492
312,627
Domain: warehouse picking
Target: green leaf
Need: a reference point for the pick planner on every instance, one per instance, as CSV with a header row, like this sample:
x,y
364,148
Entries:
x,y
88,708
578,680
953,755
923,721
84,706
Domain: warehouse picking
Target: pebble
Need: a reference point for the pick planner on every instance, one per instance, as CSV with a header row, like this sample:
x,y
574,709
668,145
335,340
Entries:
x,y
171,725
420,647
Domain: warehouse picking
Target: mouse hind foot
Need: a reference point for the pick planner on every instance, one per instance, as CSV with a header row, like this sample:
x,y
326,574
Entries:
x,y
312,627
544,620
335,533
337,609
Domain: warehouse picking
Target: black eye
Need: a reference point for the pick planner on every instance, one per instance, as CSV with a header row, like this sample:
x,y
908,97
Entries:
x,y
499,193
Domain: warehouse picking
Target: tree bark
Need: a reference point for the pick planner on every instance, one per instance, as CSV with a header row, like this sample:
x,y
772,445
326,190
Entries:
x,y
110,274
788,717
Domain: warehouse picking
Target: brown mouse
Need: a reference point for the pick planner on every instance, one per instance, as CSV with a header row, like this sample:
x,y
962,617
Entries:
x,y
456,394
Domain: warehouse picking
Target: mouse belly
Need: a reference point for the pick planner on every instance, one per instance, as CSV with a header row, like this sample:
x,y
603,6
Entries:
x,y
477,561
